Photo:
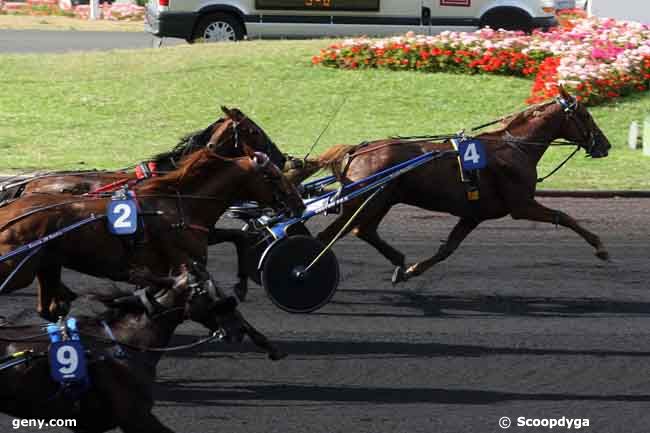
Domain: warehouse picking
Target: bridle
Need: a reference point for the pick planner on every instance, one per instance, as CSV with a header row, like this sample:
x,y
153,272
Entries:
x,y
273,175
570,108
237,129
154,308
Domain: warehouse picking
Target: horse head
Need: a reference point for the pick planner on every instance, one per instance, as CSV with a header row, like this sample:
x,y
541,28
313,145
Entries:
x,y
241,130
283,192
580,128
232,136
190,295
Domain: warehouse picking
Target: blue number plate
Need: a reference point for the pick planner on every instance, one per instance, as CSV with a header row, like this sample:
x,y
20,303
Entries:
x,y
68,361
472,155
122,217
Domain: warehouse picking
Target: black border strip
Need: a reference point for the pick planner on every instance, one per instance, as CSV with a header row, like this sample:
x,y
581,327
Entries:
x,y
334,6
455,22
293,19
369,20
358,20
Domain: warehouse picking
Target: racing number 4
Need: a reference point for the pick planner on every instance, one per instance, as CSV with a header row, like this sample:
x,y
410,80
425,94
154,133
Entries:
x,y
471,154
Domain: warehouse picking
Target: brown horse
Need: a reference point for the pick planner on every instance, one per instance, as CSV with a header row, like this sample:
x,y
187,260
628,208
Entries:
x,y
119,393
177,211
233,136
507,185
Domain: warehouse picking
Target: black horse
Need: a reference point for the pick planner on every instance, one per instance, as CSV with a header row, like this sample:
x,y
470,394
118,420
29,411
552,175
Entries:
x,y
124,345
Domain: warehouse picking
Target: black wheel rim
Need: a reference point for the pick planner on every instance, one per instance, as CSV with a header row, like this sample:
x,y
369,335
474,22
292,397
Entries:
x,y
286,283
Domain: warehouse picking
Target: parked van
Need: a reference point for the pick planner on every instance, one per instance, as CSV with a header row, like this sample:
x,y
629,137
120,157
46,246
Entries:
x,y
230,20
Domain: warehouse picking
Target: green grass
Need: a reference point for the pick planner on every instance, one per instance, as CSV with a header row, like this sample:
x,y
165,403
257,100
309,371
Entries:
x,y
114,108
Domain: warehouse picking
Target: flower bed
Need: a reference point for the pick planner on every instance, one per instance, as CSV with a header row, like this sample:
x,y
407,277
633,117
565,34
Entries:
x,y
596,59
113,12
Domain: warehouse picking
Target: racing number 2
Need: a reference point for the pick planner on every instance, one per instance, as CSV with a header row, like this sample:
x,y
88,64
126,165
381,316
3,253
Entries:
x,y
122,217
123,221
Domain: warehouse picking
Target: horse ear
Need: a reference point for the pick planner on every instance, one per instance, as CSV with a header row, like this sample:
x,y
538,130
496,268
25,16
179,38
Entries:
x,y
564,94
225,110
236,114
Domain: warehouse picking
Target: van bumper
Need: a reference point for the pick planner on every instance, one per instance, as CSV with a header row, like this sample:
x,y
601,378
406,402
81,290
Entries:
x,y
171,24
544,22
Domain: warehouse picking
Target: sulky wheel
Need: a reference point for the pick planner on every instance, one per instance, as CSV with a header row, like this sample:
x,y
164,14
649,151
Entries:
x,y
285,281
260,241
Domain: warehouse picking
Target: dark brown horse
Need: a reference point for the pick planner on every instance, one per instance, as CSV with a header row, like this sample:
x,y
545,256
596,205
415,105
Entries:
x,y
121,377
507,185
233,136
177,211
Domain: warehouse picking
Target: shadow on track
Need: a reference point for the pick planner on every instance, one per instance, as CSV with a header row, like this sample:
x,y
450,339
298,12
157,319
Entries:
x,y
207,393
434,305
379,349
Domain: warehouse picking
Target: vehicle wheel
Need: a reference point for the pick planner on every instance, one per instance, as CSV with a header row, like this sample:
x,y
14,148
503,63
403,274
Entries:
x,y
507,19
260,241
286,282
219,28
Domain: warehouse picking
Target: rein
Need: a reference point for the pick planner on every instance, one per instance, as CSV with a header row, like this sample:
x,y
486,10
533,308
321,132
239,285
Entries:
x,y
219,335
44,208
569,108
556,169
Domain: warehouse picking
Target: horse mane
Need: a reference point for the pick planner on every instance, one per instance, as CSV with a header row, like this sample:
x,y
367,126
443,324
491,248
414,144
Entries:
x,y
187,144
510,120
201,160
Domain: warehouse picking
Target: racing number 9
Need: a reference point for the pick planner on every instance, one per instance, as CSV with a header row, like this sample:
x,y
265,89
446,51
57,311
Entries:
x,y
68,358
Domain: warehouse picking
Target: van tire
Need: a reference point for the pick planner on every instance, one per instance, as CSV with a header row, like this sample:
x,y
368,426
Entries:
x,y
507,19
218,27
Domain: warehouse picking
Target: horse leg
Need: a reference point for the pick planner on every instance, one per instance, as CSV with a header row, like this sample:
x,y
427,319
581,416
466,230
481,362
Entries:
x,y
367,231
365,227
241,240
534,211
54,297
460,231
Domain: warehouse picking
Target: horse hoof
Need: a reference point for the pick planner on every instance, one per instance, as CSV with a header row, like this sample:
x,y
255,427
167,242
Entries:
x,y
602,255
398,275
276,355
241,290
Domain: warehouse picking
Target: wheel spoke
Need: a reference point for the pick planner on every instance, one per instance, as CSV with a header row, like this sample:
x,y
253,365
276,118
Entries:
x,y
219,31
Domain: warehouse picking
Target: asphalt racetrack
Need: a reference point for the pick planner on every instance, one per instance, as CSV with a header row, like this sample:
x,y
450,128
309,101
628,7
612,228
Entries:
x,y
523,321
55,41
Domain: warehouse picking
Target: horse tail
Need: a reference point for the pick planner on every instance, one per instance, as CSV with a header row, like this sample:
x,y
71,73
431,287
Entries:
x,y
333,157
298,170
